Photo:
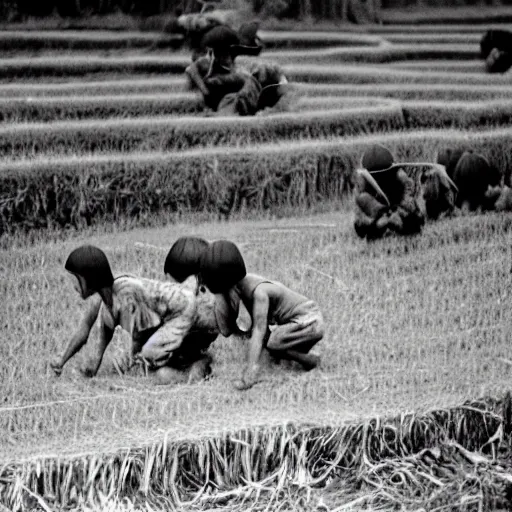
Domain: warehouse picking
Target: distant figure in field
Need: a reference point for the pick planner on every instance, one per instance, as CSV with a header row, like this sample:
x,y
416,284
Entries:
x,y
215,74
479,182
196,26
385,197
496,49
160,317
284,322
232,90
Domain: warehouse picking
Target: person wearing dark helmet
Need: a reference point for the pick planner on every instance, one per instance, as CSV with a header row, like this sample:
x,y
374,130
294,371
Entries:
x,y
386,196
154,313
284,322
215,74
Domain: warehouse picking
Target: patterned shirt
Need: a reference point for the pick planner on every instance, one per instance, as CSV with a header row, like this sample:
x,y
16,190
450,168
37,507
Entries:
x,y
140,304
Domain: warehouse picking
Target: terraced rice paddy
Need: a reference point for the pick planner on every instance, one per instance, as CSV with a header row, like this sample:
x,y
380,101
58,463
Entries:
x,y
102,143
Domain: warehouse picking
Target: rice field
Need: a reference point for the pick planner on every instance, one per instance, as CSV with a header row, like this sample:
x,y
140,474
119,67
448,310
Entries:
x,y
410,408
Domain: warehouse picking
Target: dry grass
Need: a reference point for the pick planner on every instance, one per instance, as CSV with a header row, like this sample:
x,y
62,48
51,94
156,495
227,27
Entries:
x,y
378,74
130,85
112,107
413,324
414,91
83,190
399,88
167,133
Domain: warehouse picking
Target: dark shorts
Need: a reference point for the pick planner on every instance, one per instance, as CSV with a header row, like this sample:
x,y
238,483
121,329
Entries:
x,y
194,345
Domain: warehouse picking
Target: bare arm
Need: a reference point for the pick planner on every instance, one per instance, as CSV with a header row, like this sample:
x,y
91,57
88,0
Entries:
x,y
160,346
193,72
365,179
79,338
106,333
259,330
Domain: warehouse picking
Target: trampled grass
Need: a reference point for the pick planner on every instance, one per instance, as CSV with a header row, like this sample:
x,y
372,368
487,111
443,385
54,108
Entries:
x,y
112,40
399,89
80,65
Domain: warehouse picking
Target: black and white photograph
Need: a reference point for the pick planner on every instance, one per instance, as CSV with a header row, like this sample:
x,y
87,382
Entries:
x,y
255,255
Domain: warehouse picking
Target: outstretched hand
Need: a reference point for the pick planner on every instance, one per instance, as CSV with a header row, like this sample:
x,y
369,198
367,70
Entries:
x,y
56,366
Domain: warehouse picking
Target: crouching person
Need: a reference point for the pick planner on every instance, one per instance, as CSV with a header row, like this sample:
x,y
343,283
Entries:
x,y
386,197
157,315
266,86
284,322
215,74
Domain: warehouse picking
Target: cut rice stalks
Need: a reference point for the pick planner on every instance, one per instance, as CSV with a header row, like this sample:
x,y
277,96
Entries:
x,y
445,459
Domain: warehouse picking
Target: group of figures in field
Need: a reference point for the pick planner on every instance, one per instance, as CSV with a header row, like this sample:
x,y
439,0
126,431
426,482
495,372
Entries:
x,y
399,197
227,87
173,322
207,291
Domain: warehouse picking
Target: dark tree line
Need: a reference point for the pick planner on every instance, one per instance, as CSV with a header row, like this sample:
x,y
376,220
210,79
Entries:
x,y
75,8
353,10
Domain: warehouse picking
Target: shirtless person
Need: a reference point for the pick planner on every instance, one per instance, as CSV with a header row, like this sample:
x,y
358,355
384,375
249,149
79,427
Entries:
x,y
157,315
284,322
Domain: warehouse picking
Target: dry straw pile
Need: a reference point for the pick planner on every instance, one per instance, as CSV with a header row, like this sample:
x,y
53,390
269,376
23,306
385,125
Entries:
x,y
446,459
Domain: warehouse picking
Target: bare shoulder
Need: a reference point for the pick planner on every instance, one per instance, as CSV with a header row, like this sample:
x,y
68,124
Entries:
x,y
266,290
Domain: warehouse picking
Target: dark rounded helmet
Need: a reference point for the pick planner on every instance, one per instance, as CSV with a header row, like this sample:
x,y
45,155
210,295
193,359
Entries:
x,y
377,158
449,157
220,39
248,33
